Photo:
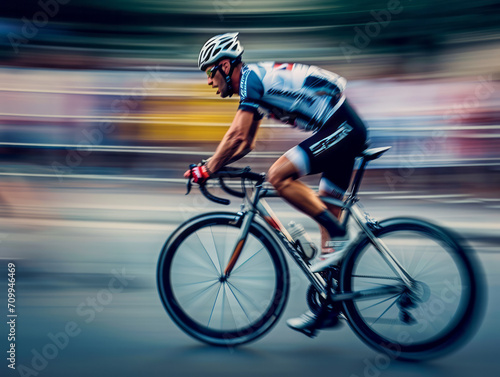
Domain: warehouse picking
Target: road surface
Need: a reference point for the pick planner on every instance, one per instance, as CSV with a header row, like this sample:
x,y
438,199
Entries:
x,y
69,247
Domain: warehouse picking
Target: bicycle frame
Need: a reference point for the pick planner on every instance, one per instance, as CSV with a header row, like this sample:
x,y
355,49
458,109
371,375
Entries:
x,y
229,306
258,206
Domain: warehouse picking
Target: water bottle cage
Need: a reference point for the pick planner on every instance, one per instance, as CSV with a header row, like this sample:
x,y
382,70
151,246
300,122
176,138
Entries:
x,y
298,246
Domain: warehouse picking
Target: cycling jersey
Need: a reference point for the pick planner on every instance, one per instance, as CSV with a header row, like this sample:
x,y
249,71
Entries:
x,y
297,94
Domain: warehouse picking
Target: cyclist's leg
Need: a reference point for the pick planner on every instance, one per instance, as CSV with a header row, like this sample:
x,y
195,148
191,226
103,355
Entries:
x,y
333,151
329,189
330,151
333,184
325,190
283,176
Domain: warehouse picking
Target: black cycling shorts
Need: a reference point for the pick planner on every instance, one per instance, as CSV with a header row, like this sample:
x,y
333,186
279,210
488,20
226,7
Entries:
x,y
333,149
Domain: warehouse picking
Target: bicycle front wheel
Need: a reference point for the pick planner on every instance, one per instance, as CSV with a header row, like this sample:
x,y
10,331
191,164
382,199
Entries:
x,y
425,321
217,310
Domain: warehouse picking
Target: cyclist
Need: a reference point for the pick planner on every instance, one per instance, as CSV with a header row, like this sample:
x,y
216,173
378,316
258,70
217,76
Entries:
x,y
303,96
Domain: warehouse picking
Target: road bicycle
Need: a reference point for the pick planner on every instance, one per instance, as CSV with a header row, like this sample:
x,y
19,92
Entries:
x,y
407,287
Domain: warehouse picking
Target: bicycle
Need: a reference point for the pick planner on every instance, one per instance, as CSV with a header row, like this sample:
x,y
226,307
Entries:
x,y
223,278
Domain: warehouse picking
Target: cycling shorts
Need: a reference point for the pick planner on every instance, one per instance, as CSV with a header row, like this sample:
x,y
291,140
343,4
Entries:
x,y
332,150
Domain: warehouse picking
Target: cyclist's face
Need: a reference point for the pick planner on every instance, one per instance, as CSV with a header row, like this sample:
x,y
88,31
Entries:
x,y
216,80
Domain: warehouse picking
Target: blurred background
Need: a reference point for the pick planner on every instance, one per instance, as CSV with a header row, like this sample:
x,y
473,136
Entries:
x,y
102,108
112,87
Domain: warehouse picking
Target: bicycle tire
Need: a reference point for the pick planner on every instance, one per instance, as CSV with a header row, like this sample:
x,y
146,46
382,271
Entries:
x,y
404,342
269,258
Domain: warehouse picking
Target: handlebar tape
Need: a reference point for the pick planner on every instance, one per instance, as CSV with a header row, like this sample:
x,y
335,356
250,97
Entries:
x,y
229,190
213,198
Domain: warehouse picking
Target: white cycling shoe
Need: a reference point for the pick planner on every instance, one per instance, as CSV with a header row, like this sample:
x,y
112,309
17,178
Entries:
x,y
331,259
307,323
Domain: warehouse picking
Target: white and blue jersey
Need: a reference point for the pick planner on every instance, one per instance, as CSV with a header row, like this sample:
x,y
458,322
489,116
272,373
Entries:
x,y
297,94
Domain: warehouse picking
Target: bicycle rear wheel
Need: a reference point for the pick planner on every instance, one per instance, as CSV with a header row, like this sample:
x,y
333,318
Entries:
x,y
210,308
424,322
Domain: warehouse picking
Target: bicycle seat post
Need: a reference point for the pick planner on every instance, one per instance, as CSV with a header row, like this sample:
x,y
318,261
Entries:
x,y
366,156
357,178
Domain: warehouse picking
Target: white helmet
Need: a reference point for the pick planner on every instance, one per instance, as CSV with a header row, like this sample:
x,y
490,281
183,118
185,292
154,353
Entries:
x,y
218,47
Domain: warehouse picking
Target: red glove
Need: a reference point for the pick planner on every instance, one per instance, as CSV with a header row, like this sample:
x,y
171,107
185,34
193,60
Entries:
x,y
200,174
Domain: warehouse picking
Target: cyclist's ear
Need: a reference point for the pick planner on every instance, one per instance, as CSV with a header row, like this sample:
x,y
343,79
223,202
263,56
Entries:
x,y
226,66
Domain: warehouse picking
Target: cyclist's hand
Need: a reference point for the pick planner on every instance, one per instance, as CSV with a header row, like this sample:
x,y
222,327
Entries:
x,y
199,174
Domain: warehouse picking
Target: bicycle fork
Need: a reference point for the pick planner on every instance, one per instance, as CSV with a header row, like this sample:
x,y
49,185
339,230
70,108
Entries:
x,y
242,237
240,243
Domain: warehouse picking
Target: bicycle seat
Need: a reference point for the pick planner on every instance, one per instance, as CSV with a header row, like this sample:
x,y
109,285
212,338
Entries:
x,y
373,153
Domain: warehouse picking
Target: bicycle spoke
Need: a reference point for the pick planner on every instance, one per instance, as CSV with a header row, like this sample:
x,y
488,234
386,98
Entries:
x,y
415,260
385,311
426,320
190,260
195,283
385,321
224,246
216,251
427,263
451,312
256,278
197,294
378,263
248,298
209,257
381,302
238,301
231,310
236,269
223,301
215,302
436,271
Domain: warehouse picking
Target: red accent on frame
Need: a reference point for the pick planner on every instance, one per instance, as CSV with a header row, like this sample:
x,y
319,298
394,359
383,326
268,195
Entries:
x,y
271,222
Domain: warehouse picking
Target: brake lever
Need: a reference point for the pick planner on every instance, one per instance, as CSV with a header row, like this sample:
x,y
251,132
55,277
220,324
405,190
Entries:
x,y
189,184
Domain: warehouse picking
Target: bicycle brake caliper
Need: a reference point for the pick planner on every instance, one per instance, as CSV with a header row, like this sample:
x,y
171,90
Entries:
x,y
239,216
371,222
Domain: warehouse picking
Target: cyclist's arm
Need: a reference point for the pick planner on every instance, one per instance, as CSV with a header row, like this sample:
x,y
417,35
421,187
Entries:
x,y
246,147
237,142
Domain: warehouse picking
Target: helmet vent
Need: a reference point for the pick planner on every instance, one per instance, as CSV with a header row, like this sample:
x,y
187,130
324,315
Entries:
x,y
219,47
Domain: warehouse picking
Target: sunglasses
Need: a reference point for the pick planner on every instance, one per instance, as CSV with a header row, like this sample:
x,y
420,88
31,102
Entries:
x,y
212,71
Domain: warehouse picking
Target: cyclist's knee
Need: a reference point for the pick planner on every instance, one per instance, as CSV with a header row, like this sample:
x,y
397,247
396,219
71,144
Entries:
x,y
277,179
274,177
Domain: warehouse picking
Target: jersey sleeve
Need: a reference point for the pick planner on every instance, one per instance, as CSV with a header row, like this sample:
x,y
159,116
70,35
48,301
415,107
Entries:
x,y
251,92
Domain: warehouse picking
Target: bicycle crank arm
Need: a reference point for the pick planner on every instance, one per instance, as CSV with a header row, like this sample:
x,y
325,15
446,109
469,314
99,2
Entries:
x,y
368,293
